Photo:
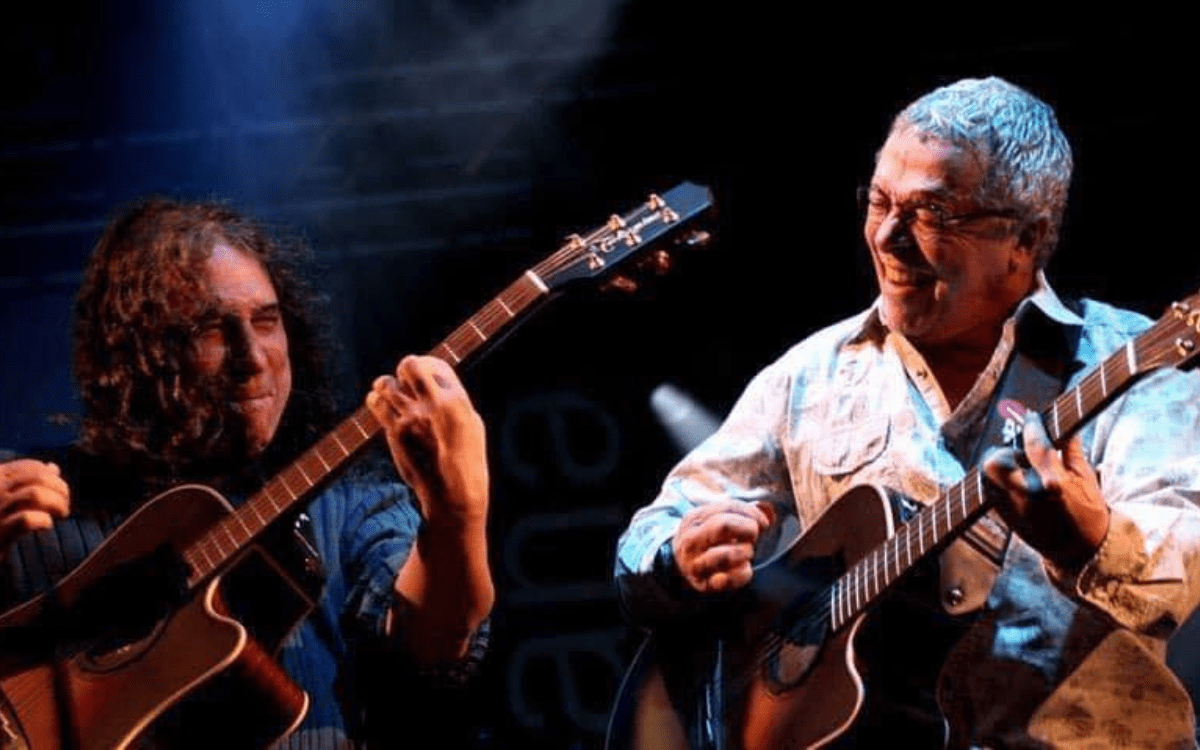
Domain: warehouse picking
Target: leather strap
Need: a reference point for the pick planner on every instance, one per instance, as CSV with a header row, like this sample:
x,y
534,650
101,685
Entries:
x,y
1032,378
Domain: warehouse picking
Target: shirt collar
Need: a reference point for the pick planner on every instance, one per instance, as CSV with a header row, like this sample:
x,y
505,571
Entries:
x,y
1043,298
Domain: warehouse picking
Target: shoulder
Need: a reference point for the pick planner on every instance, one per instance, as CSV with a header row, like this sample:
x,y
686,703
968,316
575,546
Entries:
x,y
1103,321
821,351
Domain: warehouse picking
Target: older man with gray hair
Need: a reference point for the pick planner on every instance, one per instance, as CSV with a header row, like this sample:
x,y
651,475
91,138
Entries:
x,y
1041,623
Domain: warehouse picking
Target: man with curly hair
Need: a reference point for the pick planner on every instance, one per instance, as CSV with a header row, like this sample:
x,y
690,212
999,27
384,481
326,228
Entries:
x,y
1066,618
201,356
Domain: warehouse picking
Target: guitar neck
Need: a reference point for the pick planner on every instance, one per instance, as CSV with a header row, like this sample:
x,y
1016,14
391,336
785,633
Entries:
x,y
936,524
331,453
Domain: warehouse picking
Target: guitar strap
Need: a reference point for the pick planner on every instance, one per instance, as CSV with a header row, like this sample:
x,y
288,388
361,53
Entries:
x,y
1034,375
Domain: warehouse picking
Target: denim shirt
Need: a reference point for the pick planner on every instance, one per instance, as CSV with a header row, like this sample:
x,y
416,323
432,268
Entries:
x,y
855,403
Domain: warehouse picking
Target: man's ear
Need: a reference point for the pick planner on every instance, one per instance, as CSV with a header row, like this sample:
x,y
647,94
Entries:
x,y
1032,235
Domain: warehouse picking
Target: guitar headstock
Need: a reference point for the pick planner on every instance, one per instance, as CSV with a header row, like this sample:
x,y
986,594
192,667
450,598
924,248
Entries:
x,y
1174,340
597,254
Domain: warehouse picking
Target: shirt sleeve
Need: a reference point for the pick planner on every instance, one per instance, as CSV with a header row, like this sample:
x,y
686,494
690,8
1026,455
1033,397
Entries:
x,y
743,460
381,527
1146,574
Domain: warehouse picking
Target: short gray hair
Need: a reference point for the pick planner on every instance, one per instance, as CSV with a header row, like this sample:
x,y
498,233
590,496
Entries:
x,y
1014,134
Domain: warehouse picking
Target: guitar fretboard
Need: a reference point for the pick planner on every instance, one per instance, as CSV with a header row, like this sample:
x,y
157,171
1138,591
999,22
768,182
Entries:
x,y
937,523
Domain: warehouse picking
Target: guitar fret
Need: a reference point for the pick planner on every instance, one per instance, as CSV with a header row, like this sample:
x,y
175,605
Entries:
x,y
242,523
253,505
324,464
198,566
269,493
338,441
236,536
283,480
207,562
354,421
475,328
1103,382
863,583
314,467
300,468
874,579
216,540
921,532
1078,404
866,581
854,587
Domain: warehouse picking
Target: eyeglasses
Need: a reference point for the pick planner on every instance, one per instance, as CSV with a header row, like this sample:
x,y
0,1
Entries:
x,y
927,217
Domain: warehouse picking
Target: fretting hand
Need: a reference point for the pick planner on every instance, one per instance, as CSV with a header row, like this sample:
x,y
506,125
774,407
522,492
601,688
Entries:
x,y
1052,498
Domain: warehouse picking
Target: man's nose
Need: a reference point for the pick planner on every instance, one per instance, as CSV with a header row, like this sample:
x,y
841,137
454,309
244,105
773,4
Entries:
x,y
247,354
892,233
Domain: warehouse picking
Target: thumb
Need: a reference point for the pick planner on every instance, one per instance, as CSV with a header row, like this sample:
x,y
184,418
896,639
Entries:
x,y
769,511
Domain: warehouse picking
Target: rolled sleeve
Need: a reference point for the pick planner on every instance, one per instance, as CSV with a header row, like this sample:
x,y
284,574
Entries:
x,y
1146,573
381,528
742,461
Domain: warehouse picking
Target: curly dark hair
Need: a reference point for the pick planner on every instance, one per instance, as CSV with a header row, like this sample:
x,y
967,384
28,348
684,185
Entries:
x,y
146,409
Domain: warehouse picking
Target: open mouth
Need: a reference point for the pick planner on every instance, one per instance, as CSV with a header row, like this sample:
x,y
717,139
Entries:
x,y
906,276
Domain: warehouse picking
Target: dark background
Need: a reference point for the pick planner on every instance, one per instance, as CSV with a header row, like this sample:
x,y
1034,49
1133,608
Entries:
x,y
432,150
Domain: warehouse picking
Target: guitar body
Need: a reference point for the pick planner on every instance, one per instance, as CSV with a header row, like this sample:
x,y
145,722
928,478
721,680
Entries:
x,y
120,642
805,695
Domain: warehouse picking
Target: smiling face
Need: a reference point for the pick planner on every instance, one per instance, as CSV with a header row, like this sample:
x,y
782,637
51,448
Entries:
x,y
949,272
244,340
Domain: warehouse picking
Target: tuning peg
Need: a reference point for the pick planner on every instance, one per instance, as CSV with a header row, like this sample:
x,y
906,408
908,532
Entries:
x,y
657,262
619,283
694,238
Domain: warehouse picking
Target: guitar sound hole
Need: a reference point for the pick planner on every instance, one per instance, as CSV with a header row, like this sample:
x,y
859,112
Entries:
x,y
789,666
115,649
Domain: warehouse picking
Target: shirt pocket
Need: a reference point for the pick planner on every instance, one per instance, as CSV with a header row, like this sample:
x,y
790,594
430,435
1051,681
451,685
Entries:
x,y
843,449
